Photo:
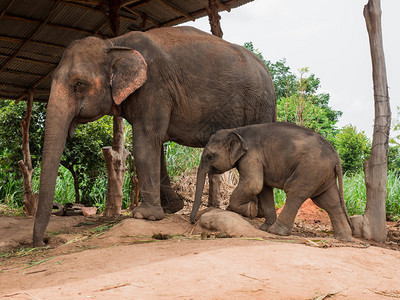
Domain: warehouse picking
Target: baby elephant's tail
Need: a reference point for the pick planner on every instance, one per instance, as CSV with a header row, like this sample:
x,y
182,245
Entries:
x,y
339,175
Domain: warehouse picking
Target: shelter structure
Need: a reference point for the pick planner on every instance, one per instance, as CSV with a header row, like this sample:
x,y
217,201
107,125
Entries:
x,y
33,34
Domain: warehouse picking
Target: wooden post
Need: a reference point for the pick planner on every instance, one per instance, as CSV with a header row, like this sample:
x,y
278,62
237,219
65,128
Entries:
x,y
214,17
30,199
115,156
374,223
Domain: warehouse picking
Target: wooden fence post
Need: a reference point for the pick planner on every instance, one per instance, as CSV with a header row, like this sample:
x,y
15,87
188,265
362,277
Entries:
x,y
30,199
374,223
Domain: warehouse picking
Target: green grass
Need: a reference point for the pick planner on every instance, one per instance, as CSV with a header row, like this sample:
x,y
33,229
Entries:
x,y
11,189
180,158
355,194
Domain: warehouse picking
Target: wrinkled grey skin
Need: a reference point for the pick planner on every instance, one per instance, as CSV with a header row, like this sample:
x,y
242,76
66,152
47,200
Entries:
x,y
169,83
277,155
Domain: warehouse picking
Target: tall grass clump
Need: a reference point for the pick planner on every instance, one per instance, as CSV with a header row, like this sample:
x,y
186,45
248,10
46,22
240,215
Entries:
x,y
355,193
64,191
11,189
393,193
99,192
181,158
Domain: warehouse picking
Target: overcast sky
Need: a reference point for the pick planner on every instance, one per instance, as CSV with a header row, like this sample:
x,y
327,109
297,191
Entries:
x,y
330,38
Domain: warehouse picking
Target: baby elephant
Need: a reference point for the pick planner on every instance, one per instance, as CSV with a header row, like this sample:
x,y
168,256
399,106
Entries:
x,y
277,155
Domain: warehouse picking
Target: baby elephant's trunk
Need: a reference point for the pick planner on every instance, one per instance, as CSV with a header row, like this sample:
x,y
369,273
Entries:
x,y
201,179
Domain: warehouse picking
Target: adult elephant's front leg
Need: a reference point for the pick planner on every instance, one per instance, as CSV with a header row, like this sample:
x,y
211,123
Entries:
x,y
147,160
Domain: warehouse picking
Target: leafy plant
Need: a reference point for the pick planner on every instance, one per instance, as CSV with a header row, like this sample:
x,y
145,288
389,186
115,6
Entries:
x,y
180,158
353,148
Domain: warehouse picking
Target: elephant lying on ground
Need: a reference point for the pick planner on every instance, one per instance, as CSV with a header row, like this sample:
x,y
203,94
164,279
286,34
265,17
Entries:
x,y
277,155
169,83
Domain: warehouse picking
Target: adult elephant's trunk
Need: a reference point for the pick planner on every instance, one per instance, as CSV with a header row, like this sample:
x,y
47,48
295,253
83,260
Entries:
x,y
201,179
58,120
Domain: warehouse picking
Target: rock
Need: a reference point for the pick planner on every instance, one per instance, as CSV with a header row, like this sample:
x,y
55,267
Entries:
x,y
228,222
357,222
89,211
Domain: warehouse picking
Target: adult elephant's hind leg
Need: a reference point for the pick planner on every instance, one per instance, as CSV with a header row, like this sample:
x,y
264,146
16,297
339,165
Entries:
x,y
330,201
171,202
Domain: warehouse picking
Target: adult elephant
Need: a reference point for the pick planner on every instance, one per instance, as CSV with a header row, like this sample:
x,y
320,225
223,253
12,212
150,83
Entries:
x,y
178,84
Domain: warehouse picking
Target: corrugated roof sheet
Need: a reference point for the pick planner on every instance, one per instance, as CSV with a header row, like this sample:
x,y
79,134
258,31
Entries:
x,y
33,34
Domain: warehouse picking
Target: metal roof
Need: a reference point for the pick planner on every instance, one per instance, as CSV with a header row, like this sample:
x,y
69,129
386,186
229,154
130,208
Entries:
x,y
34,33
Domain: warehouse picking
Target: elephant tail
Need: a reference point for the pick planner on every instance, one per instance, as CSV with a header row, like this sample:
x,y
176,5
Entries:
x,y
339,175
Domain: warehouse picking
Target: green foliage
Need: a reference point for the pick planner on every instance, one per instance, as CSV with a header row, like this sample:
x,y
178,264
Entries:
x,y
11,188
394,158
298,100
11,115
83,155
394,146
98,193
353,147
355,193
180,158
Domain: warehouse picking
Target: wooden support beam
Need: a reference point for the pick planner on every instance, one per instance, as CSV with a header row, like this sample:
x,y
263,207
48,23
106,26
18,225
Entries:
x,y
36,84
214,18
114,15
194,14
30,199
224,6
19,40
33,61
33,21
41,24
136,5
94,9
375,168
150,19
20,73
177,9
115,156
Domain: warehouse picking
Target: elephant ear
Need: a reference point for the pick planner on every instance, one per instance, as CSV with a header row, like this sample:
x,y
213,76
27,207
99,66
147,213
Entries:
x,y
128,73
237,147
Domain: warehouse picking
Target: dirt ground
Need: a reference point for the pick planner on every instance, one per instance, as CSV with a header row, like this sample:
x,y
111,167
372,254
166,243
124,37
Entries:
x,y
96,258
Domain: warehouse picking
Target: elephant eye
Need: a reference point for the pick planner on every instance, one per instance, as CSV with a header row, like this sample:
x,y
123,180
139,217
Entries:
x,y
209,157
79,86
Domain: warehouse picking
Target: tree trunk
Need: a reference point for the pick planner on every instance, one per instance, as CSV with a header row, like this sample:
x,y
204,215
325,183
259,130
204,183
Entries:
x,y
214,17
30,200
115,158
374,223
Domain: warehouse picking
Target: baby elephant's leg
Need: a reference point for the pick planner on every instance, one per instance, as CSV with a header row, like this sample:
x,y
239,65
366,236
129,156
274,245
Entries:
x,y
266,204
243,197
330,201
285,221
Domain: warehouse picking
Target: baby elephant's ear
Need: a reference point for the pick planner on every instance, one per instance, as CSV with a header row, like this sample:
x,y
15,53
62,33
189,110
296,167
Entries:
x,y
129,72
237,147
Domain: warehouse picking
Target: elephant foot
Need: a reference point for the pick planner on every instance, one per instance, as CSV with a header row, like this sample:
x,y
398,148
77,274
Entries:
x,y
149,212
248,210
265,226
38,244
344,234
171,202
279,229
